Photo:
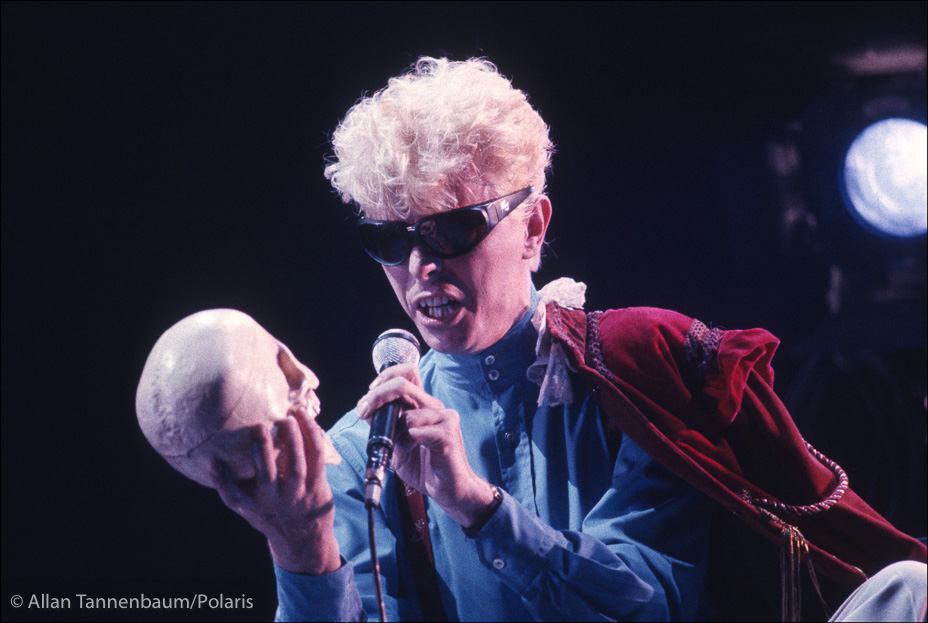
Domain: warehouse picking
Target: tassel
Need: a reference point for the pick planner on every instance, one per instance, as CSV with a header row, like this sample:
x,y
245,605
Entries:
x,y
794,550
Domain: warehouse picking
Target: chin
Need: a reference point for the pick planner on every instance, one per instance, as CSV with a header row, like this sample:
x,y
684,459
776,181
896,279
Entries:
x,y
443,343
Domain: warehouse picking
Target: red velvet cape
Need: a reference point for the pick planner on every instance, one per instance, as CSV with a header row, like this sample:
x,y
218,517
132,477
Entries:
x,y
722,429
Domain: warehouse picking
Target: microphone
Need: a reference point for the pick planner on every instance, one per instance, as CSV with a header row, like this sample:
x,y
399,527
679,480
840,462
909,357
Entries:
x,y
393,347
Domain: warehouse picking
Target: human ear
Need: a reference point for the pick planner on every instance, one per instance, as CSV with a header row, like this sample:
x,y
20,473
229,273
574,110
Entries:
x,y
536,225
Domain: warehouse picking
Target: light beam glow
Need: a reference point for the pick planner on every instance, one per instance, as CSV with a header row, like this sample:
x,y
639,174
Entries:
x,y
886,177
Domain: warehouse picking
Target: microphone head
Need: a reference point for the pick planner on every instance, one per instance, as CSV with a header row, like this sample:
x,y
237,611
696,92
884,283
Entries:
x,y
393,347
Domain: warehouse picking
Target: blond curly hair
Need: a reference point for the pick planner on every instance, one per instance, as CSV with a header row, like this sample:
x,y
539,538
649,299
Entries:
x,y
442,135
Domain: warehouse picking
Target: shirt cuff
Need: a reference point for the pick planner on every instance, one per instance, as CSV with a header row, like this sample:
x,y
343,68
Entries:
x,y
328,597
514,543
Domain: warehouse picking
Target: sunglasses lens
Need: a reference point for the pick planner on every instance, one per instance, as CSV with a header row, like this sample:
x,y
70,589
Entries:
x,y
454,233
388,243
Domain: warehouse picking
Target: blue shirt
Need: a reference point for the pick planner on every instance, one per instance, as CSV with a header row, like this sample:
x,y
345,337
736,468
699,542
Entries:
x,y
579,536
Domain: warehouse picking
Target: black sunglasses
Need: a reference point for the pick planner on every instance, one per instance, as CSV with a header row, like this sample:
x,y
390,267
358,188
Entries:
x,y
445,235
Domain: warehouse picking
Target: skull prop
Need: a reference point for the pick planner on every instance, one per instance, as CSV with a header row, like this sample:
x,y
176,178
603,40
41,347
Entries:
x,y
212,378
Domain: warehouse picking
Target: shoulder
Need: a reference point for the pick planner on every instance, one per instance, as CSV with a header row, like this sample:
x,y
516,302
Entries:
x,y
637,350
638,334
666,355
641,327
648,337
644,341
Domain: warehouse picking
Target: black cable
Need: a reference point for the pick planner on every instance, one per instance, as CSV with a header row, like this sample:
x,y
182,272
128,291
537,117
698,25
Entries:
x,y
375,563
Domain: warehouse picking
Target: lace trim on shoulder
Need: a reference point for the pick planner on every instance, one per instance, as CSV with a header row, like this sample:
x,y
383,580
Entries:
x,y
700,348
594,344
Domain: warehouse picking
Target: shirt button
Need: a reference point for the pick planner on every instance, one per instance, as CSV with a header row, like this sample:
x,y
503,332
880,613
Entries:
x,y
511,438
493,374
490,360
498,563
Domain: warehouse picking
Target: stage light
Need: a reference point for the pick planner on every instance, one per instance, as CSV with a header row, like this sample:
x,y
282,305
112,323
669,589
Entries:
x,y
885,178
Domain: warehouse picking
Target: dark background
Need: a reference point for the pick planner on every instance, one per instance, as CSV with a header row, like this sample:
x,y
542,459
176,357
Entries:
x,y
160,159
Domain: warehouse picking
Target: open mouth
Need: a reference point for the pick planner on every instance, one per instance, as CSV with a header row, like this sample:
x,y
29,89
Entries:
x,y
438,307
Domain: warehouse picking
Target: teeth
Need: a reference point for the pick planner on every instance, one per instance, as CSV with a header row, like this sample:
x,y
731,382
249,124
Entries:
x,y
434,301
310,402
438,306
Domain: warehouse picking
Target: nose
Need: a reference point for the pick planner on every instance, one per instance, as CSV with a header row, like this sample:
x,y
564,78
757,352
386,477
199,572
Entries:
x,y
300,379
423,264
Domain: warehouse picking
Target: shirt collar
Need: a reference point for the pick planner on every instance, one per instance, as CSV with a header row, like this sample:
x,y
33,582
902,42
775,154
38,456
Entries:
x,y
501,365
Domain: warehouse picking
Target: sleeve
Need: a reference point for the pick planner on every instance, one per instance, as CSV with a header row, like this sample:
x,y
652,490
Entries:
x,y
330,597
640,554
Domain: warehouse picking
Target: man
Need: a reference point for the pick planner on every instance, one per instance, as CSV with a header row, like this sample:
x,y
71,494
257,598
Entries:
x,y
558,528
537,509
